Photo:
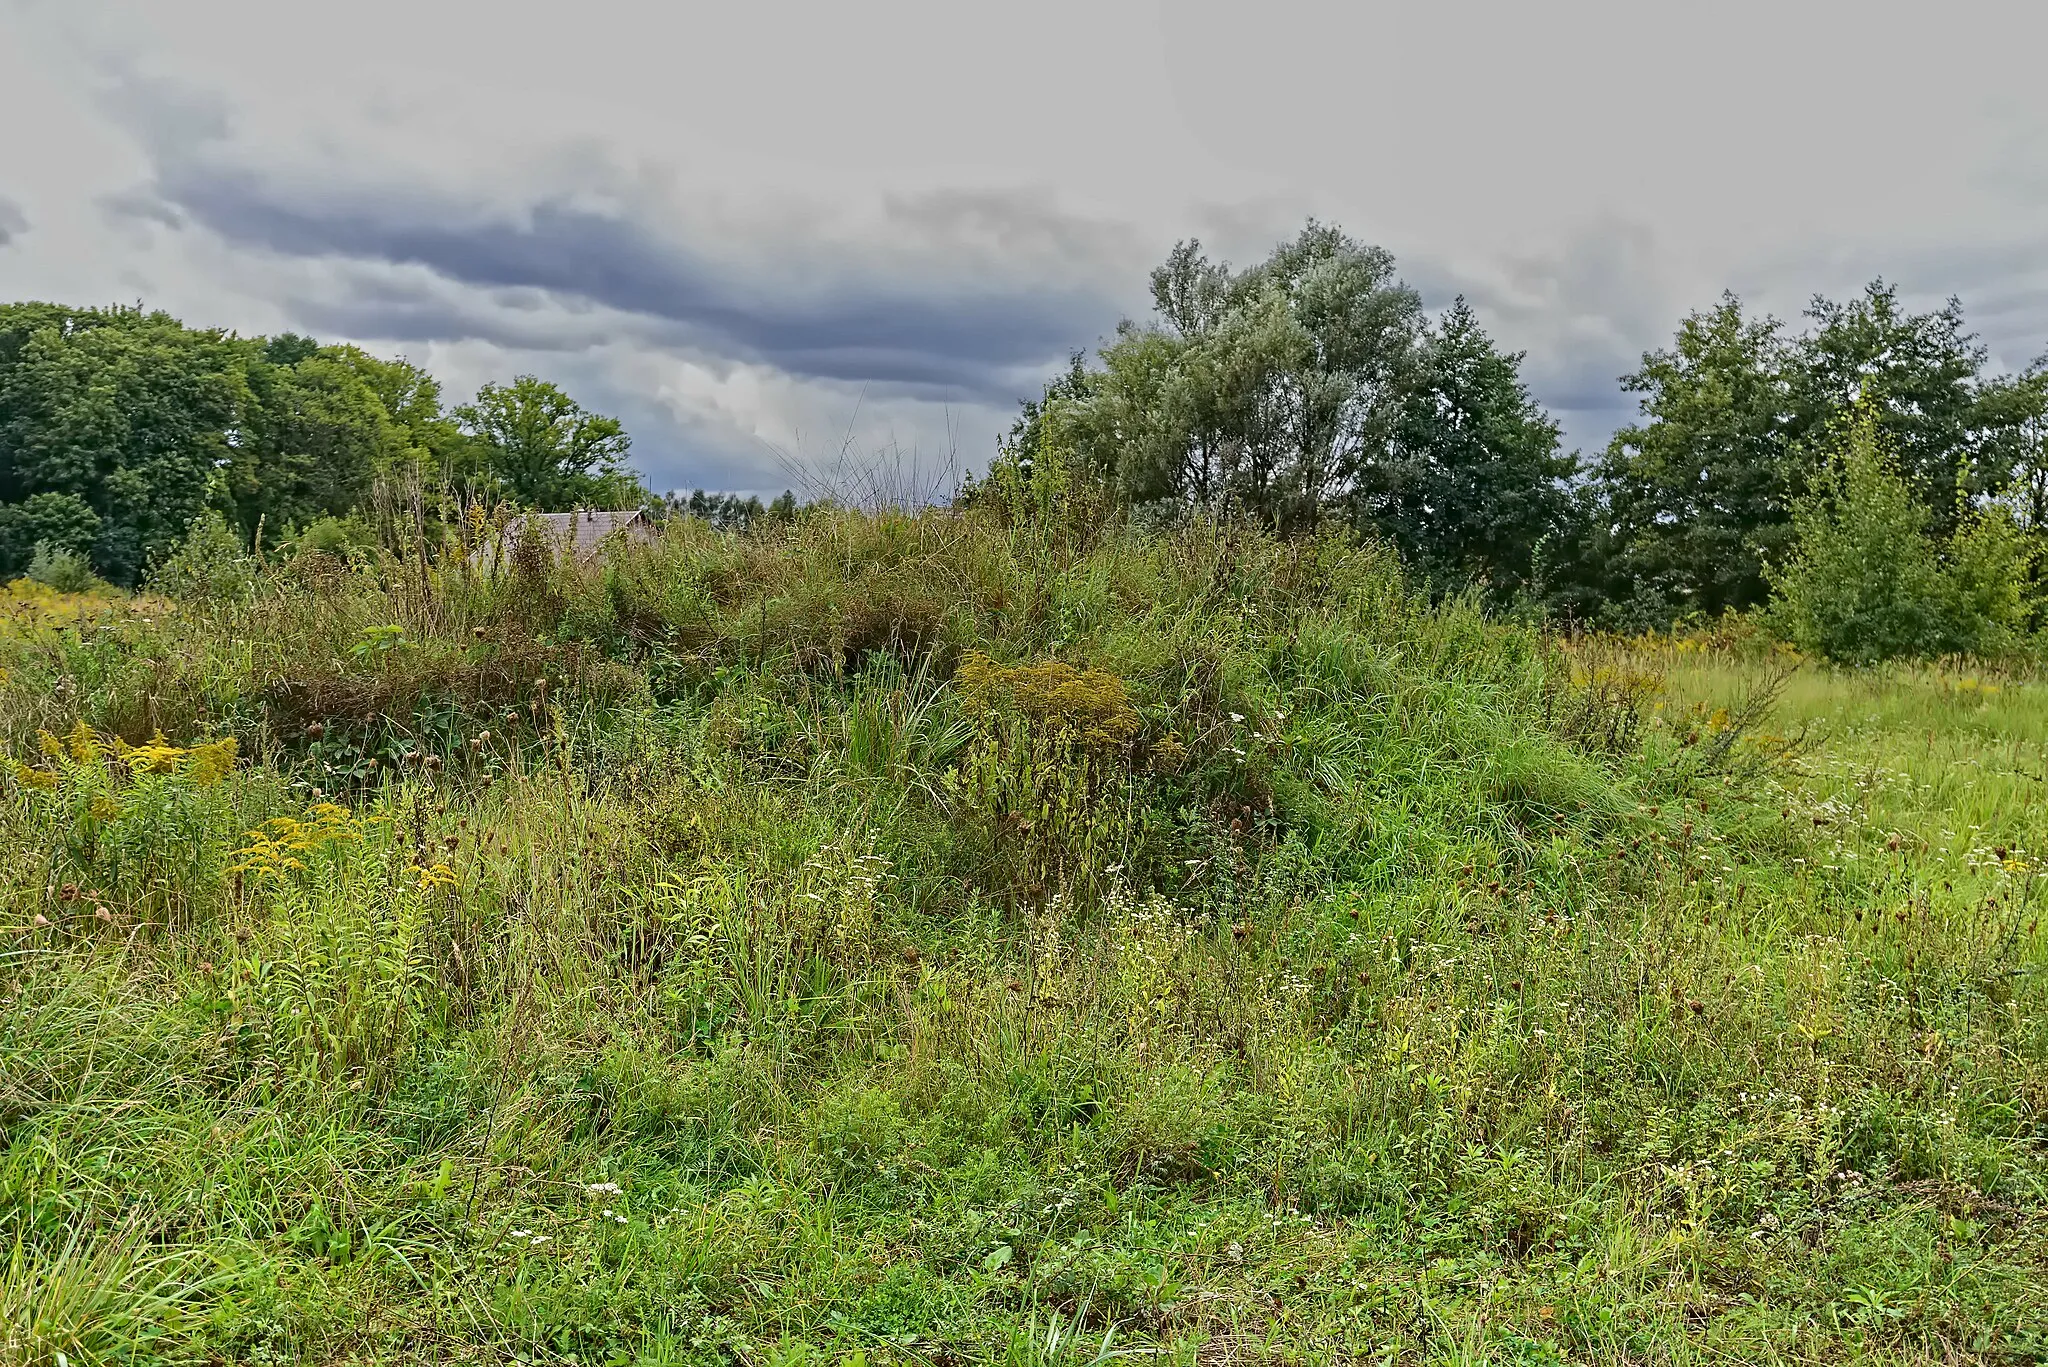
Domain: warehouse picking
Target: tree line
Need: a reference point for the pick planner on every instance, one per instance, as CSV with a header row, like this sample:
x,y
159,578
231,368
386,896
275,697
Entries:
x,y
120,427
1314,387
1863,466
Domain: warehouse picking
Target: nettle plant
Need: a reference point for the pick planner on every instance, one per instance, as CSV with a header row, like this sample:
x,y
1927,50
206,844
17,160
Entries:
x,y
137,825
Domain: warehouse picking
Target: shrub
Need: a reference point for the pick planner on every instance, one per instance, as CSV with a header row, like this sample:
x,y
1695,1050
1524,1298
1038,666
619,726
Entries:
x,y
62,570
58,522
1868,582
336,537
210,565
1990,565
1041,776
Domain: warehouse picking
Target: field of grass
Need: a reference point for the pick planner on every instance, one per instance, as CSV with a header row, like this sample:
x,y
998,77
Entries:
x,y
955,939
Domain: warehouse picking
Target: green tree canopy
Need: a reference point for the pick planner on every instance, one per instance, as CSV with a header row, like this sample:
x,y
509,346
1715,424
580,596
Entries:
x,y
1922,375
128,413
545,451
1265,389
318,438
120,427
1472,481
1696,494
1695,500
1871,577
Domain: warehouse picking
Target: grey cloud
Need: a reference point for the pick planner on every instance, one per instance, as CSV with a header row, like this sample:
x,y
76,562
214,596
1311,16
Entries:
x,y
681,449
13,221
141,206
675,453
2003,286
927,315
1585,313
916,326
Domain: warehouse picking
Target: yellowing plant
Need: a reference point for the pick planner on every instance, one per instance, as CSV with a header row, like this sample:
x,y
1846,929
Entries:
x,y
1043,774
287,851
431,876
26,605
1089,707
83,750
281,846
131,822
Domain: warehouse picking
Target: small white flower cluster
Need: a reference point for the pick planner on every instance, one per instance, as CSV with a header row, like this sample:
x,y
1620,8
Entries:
x,y
532,1240
607,1189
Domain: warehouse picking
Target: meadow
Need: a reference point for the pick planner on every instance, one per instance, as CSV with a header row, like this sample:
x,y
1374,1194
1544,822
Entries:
x,y
1001,936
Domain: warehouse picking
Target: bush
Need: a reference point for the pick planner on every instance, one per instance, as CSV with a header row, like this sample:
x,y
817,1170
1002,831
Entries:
x,y
210,565
62,570
142,825
338,537
1868,582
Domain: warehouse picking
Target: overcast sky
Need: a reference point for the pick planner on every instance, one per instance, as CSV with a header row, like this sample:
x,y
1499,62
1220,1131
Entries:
x,y
754,228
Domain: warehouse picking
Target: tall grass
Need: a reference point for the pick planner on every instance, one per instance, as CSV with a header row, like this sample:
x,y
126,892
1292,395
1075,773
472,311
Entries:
x,y
961,938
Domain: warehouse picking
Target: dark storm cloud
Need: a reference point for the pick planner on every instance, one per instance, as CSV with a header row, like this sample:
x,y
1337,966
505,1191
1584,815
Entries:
x,y
13,221
922,326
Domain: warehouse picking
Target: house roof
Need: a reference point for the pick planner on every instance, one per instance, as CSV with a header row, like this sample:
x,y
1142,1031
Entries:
x,y
580,533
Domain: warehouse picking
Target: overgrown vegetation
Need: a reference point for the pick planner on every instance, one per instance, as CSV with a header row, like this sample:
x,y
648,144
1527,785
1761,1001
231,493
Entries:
x,y
1869,580
119,429
1309,390
999,935
1312,388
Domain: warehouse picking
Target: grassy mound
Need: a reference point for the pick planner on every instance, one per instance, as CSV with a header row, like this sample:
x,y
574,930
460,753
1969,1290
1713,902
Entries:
x,y
924,939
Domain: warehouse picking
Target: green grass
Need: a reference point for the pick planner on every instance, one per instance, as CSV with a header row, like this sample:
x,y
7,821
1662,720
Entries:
x,y
1306,975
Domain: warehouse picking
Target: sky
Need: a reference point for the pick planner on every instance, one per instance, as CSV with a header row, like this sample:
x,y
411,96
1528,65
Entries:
x,y
764,233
